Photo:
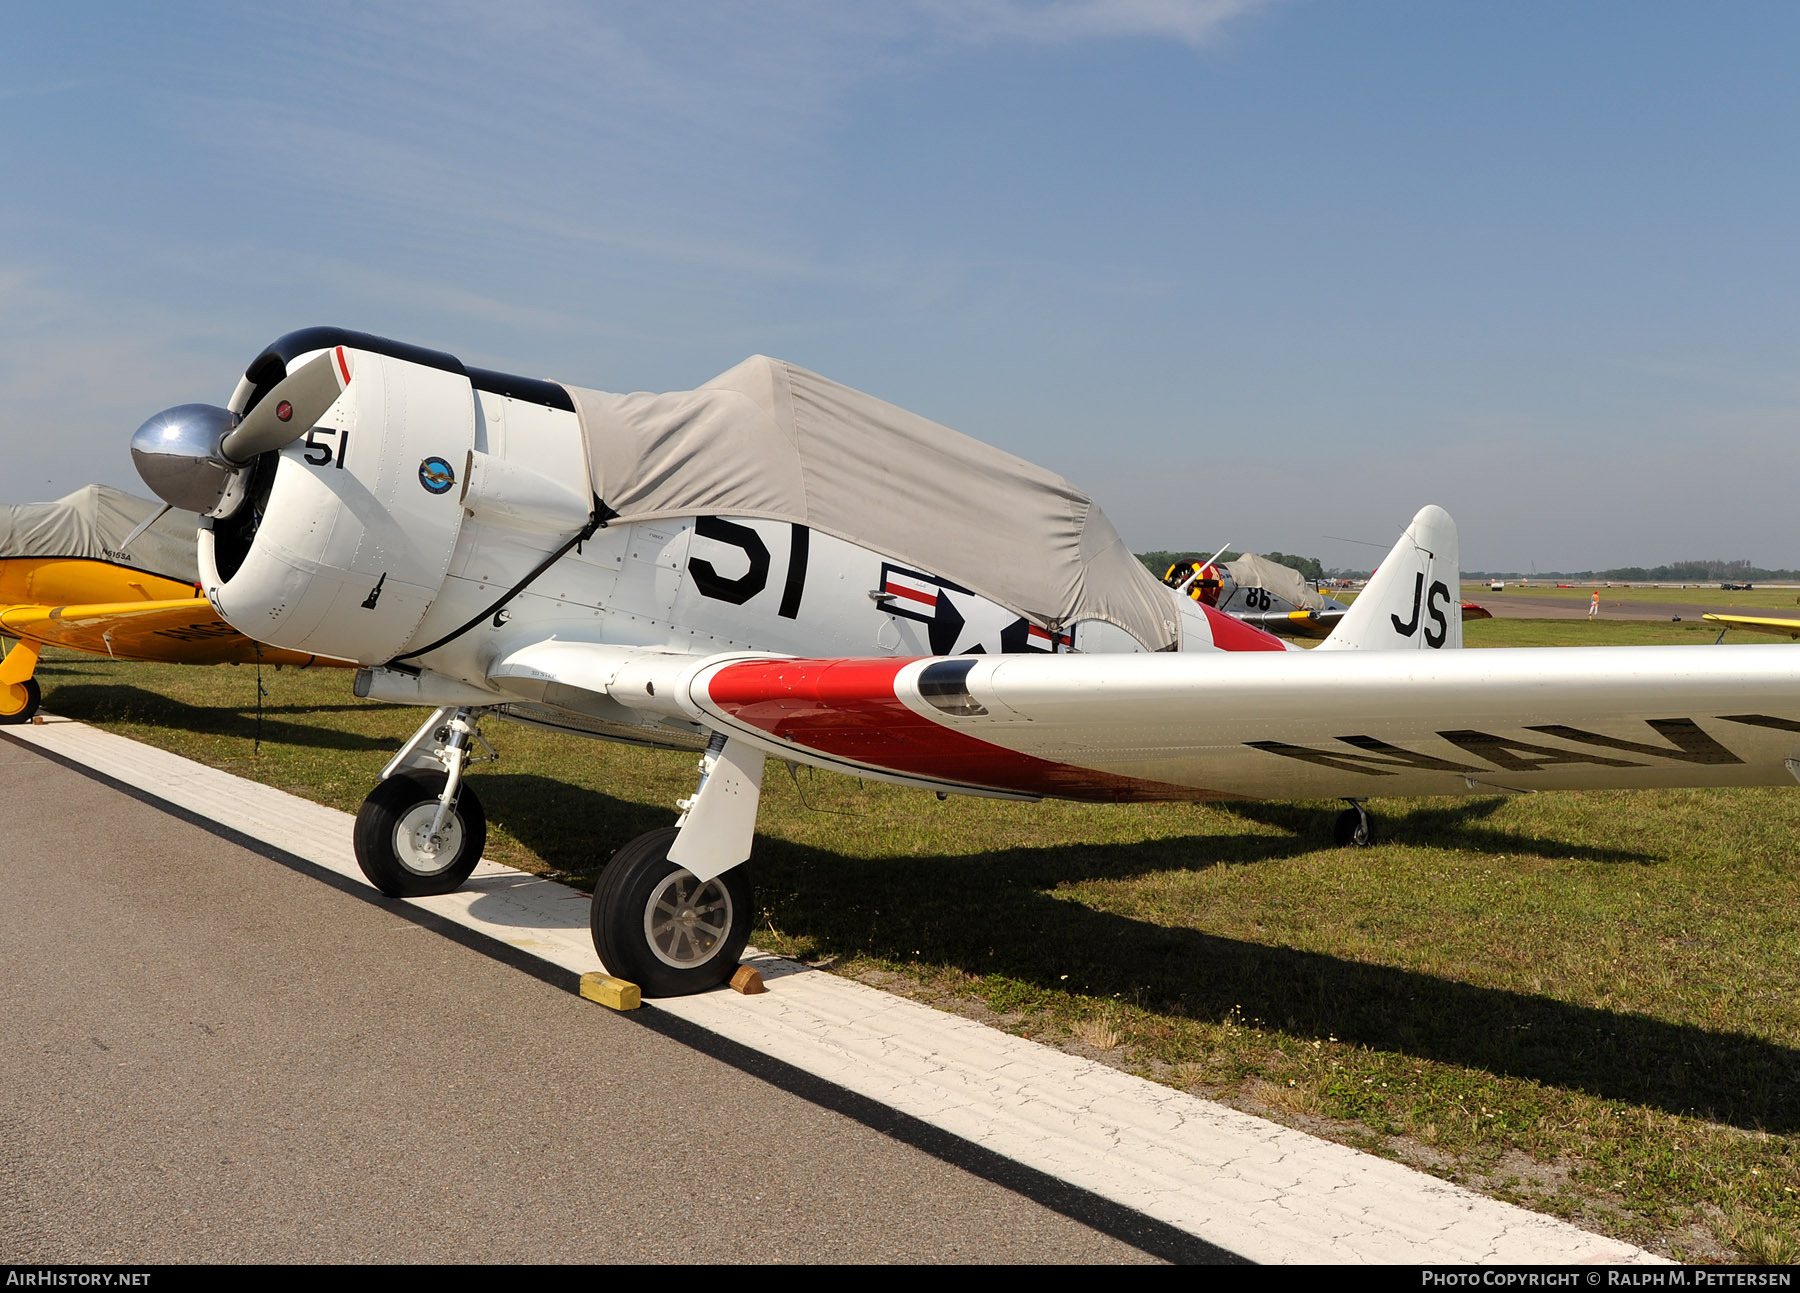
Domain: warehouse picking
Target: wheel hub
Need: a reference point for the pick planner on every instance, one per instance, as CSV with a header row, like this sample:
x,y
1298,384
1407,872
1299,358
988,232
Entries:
x,y
687,919
417,851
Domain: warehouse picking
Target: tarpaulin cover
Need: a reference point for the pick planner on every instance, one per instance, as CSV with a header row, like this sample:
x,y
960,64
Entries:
x,y
768,439
1252,571
93,522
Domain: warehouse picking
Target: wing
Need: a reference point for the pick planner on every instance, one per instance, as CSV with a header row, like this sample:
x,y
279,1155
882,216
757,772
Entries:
x,y
1305,624
183,631
1774,624
1319,623
1255,725
646,694
1293,725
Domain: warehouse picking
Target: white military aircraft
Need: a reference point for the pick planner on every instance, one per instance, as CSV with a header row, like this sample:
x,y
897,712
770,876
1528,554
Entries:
x,y
1259,592
1269,595
777,565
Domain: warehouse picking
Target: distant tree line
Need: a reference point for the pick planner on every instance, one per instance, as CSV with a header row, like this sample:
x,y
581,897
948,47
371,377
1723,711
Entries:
x,y
1678,572
1157,562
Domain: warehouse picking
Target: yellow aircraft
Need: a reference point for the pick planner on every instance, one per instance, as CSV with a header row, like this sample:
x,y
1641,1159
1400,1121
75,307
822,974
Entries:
x,y
1775,624
105,572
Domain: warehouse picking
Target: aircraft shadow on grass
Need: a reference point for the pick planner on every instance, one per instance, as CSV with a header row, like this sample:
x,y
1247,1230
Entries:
x,y
993,914
572,828
996,914
101,702
1452,824
48,667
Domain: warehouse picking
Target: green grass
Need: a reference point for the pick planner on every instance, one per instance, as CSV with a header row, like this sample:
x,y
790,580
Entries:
x,y
1586,1004
1601,632
1709,595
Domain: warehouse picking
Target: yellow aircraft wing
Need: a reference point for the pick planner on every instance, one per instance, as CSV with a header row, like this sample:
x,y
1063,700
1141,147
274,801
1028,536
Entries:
x,y
182,631
1303,624
1759,624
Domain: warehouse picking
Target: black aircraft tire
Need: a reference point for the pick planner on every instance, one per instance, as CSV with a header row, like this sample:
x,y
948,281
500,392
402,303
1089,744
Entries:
x,y
406,802
34,697
658,927
1349,831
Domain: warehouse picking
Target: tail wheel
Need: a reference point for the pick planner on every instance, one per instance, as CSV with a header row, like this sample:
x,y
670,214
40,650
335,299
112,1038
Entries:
x,y
1353,829
657,925
19,701
392,846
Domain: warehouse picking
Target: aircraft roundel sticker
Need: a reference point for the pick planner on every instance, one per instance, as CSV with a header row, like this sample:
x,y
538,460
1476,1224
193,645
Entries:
x,y
436,475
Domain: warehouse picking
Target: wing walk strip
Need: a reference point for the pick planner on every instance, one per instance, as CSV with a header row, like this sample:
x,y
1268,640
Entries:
x,y
1246,1185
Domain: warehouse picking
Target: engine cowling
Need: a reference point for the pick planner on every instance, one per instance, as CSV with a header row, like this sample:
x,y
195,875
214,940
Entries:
x,y
348,531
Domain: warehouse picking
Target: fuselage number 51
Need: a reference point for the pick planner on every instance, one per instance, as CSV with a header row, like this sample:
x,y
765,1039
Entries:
x,y
320,452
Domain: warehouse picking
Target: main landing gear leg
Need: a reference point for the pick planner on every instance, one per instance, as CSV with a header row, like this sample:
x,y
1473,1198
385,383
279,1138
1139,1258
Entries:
x,y
672,910
1354,829
422,831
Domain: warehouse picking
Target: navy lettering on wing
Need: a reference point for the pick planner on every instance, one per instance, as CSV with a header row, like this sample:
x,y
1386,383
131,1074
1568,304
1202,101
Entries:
x,y
1685,741
1522,756
1382,759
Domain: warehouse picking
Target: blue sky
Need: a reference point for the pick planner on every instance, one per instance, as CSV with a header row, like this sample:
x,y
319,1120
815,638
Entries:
x,y
1251,271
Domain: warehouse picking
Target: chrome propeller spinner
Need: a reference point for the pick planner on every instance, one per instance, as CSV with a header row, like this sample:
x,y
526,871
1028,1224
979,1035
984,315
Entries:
x,y
193,455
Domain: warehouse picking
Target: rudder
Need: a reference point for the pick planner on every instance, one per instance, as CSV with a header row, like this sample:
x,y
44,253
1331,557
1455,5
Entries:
x,y
1414,600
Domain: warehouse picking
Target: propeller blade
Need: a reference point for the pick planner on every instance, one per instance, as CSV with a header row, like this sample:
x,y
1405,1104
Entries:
x,y
289,411
145,525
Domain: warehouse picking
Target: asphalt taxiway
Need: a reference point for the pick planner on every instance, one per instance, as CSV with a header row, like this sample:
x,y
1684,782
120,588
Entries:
x,y
208,1057
1514,604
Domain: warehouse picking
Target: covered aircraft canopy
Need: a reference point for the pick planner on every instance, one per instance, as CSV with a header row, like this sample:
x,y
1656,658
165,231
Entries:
x,y
92,522
1252,571
768,439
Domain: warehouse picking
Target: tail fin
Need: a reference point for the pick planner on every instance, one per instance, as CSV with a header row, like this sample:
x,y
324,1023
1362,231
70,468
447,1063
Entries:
x,y
1415,598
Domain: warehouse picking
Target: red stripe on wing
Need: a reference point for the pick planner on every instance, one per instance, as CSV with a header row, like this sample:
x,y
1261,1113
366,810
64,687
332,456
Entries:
x,y
848,709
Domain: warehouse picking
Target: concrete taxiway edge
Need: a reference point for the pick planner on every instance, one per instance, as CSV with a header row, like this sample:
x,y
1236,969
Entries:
x,y
1249,1186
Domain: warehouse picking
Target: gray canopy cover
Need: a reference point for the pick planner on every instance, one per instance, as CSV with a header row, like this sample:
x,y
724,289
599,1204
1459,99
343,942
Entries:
x,y
93,522
768,439
1252,571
